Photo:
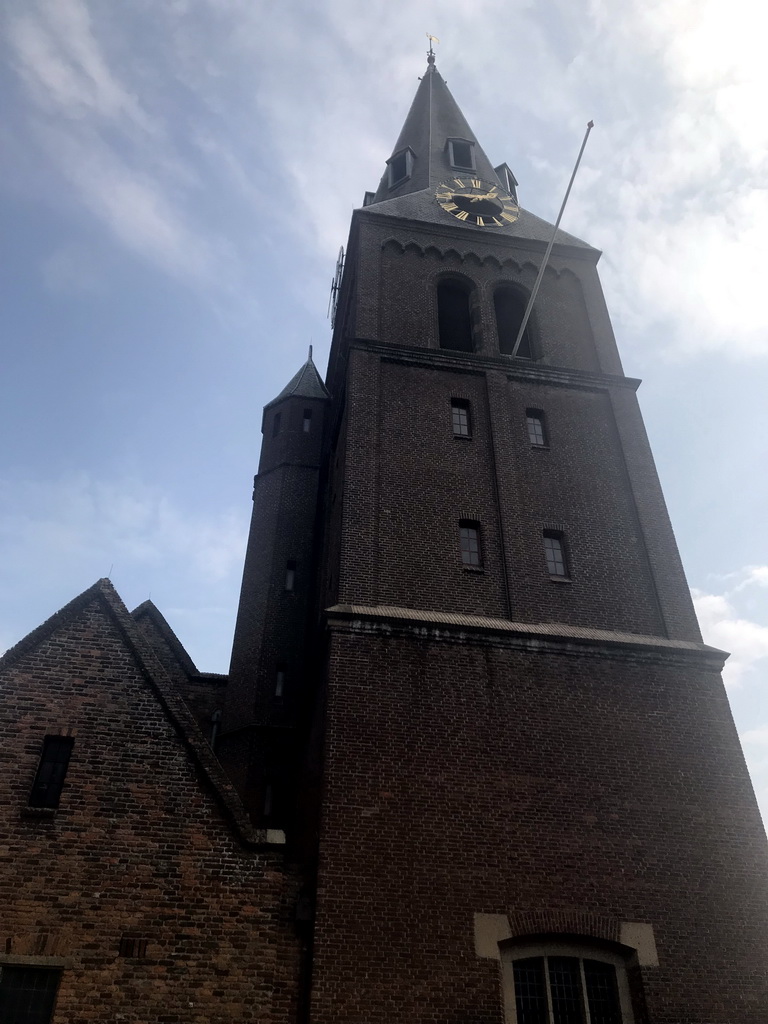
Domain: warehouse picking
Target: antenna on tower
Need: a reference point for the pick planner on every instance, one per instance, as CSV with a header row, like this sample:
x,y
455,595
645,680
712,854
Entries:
x,y
333,298
543,267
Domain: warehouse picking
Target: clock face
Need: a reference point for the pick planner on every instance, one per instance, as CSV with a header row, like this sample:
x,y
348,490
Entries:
x,y
477,202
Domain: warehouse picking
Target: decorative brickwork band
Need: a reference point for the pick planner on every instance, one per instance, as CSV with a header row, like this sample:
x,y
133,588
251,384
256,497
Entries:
x,y
563,922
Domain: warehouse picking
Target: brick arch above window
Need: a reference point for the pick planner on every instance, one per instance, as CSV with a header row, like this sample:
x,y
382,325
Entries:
x,y
564,922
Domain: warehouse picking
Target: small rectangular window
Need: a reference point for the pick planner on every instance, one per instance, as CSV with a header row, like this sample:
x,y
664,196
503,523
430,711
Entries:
x,y
554,551
462,426
461,154
49,780
536,433
290,575
469,543
27,994
307,422
276,424
280,682
133,946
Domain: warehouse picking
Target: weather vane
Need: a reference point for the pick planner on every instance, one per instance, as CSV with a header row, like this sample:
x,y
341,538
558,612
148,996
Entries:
x,y
431,52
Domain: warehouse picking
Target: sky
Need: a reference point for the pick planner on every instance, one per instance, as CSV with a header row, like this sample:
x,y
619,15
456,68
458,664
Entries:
x,y
176,179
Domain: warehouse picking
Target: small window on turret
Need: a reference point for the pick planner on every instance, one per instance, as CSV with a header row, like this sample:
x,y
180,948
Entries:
x,y
399,167
276,425
461,154
290,575
280,681
307,422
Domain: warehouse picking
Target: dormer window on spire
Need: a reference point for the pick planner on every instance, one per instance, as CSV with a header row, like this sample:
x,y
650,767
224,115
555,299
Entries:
x,y
461,154
507,179
399,167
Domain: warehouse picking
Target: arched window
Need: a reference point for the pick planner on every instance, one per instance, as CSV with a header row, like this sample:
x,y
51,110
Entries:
x,y
509,305
454,317
559,982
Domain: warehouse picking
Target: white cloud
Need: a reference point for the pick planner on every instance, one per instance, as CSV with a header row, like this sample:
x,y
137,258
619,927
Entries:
x,y
758,736
754,575
63,64
676,193
723,627
94,131
66,524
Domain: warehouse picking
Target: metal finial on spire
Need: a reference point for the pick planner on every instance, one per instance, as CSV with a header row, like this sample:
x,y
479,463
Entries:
x,y
430,51
309,357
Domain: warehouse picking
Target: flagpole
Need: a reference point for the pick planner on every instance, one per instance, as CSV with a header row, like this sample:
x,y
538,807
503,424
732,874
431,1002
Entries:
x,y
542,268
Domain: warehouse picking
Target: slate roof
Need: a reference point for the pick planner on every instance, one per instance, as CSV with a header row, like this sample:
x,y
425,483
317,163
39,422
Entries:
x,y
307,383
434,118
422,206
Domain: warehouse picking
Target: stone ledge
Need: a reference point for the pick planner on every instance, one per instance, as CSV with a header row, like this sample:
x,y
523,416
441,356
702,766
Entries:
x,y
530,633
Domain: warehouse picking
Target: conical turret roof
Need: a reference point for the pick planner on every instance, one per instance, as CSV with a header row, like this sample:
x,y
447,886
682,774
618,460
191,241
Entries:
x,y
306,383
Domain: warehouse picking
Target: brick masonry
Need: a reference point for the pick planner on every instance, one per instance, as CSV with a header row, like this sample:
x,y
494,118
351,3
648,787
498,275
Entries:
x,y
593,791
547,782
147,841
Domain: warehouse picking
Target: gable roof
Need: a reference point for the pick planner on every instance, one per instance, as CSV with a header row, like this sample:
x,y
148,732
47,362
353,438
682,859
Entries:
x,y
176,711
150,611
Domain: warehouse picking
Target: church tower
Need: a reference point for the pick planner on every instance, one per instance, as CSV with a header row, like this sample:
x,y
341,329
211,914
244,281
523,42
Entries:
x,y
535,807
267,688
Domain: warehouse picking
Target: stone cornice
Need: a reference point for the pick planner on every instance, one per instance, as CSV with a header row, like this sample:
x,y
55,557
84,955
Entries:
x,y
554,636
514,368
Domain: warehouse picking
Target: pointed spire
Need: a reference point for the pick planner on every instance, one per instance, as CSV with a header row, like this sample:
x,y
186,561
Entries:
x,y
306,383
433,123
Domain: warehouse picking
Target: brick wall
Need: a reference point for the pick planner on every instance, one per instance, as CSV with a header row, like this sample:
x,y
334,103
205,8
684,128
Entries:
x,y
407,481
140,845
473,775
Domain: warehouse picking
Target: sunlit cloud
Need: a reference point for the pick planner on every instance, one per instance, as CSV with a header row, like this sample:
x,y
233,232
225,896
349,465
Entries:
x,y
723,626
